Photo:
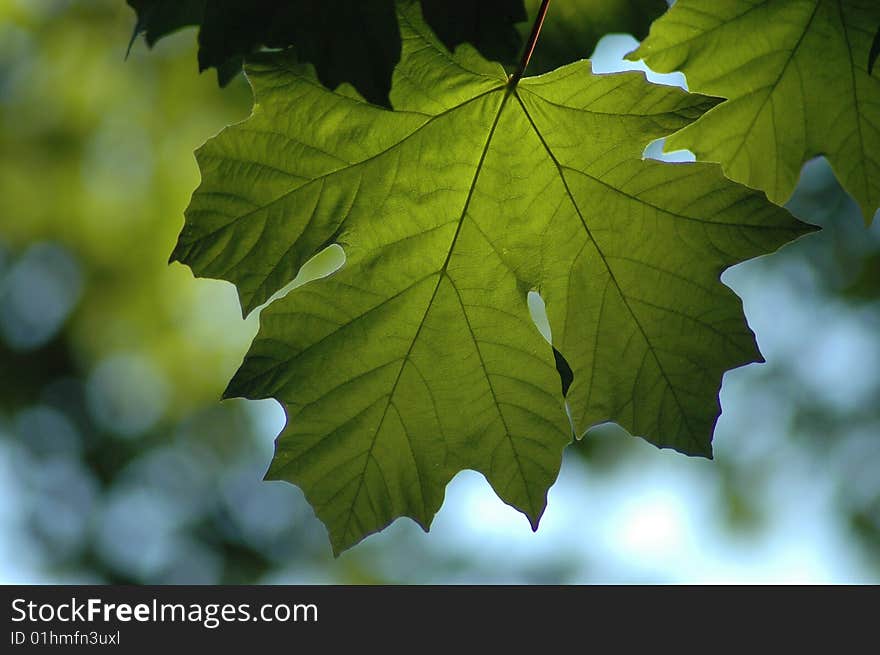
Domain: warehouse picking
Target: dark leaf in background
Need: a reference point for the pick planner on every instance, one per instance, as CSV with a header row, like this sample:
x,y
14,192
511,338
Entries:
x,y
359,42
875,51
157,18
489,25
564,370
355,42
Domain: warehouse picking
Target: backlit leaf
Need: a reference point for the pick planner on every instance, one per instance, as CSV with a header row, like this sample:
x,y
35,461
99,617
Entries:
x,y
795,73
418,358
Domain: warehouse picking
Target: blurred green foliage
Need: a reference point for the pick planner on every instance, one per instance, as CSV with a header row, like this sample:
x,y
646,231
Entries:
x,y
114,405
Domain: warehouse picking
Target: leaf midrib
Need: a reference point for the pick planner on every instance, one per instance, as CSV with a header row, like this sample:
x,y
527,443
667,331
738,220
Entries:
x,y
440,276
775,84
855,94
559,167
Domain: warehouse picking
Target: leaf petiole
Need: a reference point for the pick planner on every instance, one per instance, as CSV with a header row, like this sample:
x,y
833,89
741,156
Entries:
x,y
530,44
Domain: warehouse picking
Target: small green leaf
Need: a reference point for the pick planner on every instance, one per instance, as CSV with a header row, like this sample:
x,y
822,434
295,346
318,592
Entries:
x,y
795,73
418,358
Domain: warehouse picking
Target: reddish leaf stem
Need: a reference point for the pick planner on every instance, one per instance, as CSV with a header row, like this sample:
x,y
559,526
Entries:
x,y
530,44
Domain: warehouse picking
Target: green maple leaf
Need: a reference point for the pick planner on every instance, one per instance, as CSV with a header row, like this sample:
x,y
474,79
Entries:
x,y
795,73
418,358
